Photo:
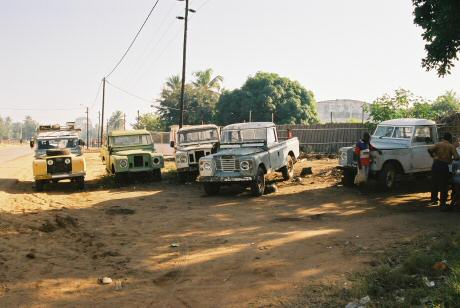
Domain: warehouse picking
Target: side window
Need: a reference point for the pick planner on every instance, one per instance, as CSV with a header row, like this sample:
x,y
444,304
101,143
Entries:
x,y
423,134
271,136
402,132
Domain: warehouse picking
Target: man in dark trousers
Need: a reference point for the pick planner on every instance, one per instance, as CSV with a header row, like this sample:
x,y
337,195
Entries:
x,y
442,152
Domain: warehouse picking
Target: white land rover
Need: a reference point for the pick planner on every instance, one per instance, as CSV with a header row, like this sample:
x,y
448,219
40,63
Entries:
x,y
194,142
404,145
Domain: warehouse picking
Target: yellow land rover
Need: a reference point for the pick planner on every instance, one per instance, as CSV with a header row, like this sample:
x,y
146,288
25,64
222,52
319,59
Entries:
x,y
58,155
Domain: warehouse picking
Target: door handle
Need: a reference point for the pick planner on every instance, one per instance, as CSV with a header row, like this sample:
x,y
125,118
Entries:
x,y
278,153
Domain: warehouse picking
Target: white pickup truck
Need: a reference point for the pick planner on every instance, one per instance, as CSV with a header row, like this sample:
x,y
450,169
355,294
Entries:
x,y
247,152
404,145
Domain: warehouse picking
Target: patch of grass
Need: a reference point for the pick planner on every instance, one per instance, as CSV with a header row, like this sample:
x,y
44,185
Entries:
x,y
397,280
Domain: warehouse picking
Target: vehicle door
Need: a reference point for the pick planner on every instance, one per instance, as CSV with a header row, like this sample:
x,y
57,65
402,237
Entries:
x,y
422,140
275,149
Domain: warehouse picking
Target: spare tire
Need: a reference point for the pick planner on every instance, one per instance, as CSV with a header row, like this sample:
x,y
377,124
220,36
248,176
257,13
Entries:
x,y
57,152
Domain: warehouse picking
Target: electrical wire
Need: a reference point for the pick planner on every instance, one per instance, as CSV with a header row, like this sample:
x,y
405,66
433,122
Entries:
x,y
135,38
129,93
97,95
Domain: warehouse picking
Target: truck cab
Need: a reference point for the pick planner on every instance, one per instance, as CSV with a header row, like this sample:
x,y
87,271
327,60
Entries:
x,y
193,143
58,155
247,153
404,145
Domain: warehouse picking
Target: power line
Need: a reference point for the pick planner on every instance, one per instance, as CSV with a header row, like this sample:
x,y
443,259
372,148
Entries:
x,y
129,93
97,95
135,38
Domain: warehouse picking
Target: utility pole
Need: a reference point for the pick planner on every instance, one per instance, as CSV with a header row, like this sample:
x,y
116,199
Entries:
x,y
331,116
250,115
87,128
273,117
102,116
98,128
124,121
184,60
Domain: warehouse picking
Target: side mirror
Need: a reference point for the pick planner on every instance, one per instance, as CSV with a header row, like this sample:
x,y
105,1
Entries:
x,y
81,142
172,144
32,143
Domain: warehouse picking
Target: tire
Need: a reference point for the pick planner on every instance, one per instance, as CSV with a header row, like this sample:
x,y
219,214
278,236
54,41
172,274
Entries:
x,y
288,170
211,189
80,181
348,177
182,177
387,177
39,185
258,185
156,175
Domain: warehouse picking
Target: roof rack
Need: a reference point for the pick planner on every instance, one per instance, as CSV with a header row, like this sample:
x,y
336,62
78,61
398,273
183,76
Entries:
x,y
70,126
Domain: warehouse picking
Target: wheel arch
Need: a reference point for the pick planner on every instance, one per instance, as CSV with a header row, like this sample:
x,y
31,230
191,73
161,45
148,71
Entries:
x,y
262,165
396,163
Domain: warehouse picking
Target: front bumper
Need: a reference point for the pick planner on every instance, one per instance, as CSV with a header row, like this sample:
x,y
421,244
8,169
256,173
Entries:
x,y
192,168
137,170
60,176
224,179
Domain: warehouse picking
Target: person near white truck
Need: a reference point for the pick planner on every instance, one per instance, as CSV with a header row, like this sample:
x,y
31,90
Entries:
x,y
404,145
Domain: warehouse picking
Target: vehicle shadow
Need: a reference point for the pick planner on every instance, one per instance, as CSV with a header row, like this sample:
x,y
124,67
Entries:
x,y
173,248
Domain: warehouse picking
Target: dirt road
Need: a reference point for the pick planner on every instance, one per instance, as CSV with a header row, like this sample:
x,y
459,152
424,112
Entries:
x,y
166,245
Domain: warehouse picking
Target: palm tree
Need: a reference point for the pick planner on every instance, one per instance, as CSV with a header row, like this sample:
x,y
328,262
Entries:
x,y
204,80
116,120
173,83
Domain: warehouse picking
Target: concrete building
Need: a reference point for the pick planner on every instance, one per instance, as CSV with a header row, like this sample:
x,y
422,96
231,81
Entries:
x,y
342,111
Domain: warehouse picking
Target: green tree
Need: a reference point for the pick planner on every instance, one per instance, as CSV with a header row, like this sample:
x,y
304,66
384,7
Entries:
x,y
446,105
29,127
441,24
150,122
393,107
200,99
266,94
116,121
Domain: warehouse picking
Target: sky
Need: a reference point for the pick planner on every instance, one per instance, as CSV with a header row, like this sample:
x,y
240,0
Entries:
x,y
54,53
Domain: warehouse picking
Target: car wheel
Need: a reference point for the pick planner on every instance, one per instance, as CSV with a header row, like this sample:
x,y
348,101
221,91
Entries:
x,y
39,185
157,175
288,170
211,189
258,185
80,181
348,177
387,177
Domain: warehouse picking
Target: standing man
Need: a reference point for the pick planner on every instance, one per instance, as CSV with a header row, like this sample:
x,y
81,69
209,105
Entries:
x,y
442,152
362,154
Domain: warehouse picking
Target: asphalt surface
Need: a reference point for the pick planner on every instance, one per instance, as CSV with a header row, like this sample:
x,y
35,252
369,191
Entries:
x,y
11,153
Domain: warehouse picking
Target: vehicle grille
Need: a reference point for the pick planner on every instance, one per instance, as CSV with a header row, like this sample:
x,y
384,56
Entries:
x,y
227,164
59,166
138,161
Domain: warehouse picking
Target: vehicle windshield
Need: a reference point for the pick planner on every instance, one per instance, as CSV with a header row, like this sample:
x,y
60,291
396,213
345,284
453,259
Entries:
x,y
58,143
244,135
131,140
196,136
384,131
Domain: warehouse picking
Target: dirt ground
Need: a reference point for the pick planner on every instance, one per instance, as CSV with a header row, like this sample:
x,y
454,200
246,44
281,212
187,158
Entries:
x,y
167,245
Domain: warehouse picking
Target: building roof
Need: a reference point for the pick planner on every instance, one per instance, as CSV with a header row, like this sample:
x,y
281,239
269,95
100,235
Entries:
x,y
134,132
408,122
197,127
249,125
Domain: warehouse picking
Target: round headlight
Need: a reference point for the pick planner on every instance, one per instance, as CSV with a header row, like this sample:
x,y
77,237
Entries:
x,y
123,163
156,160
207,166
244,165
50,162
67,161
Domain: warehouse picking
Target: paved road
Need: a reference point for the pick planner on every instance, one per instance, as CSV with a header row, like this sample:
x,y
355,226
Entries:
x,y
11,153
